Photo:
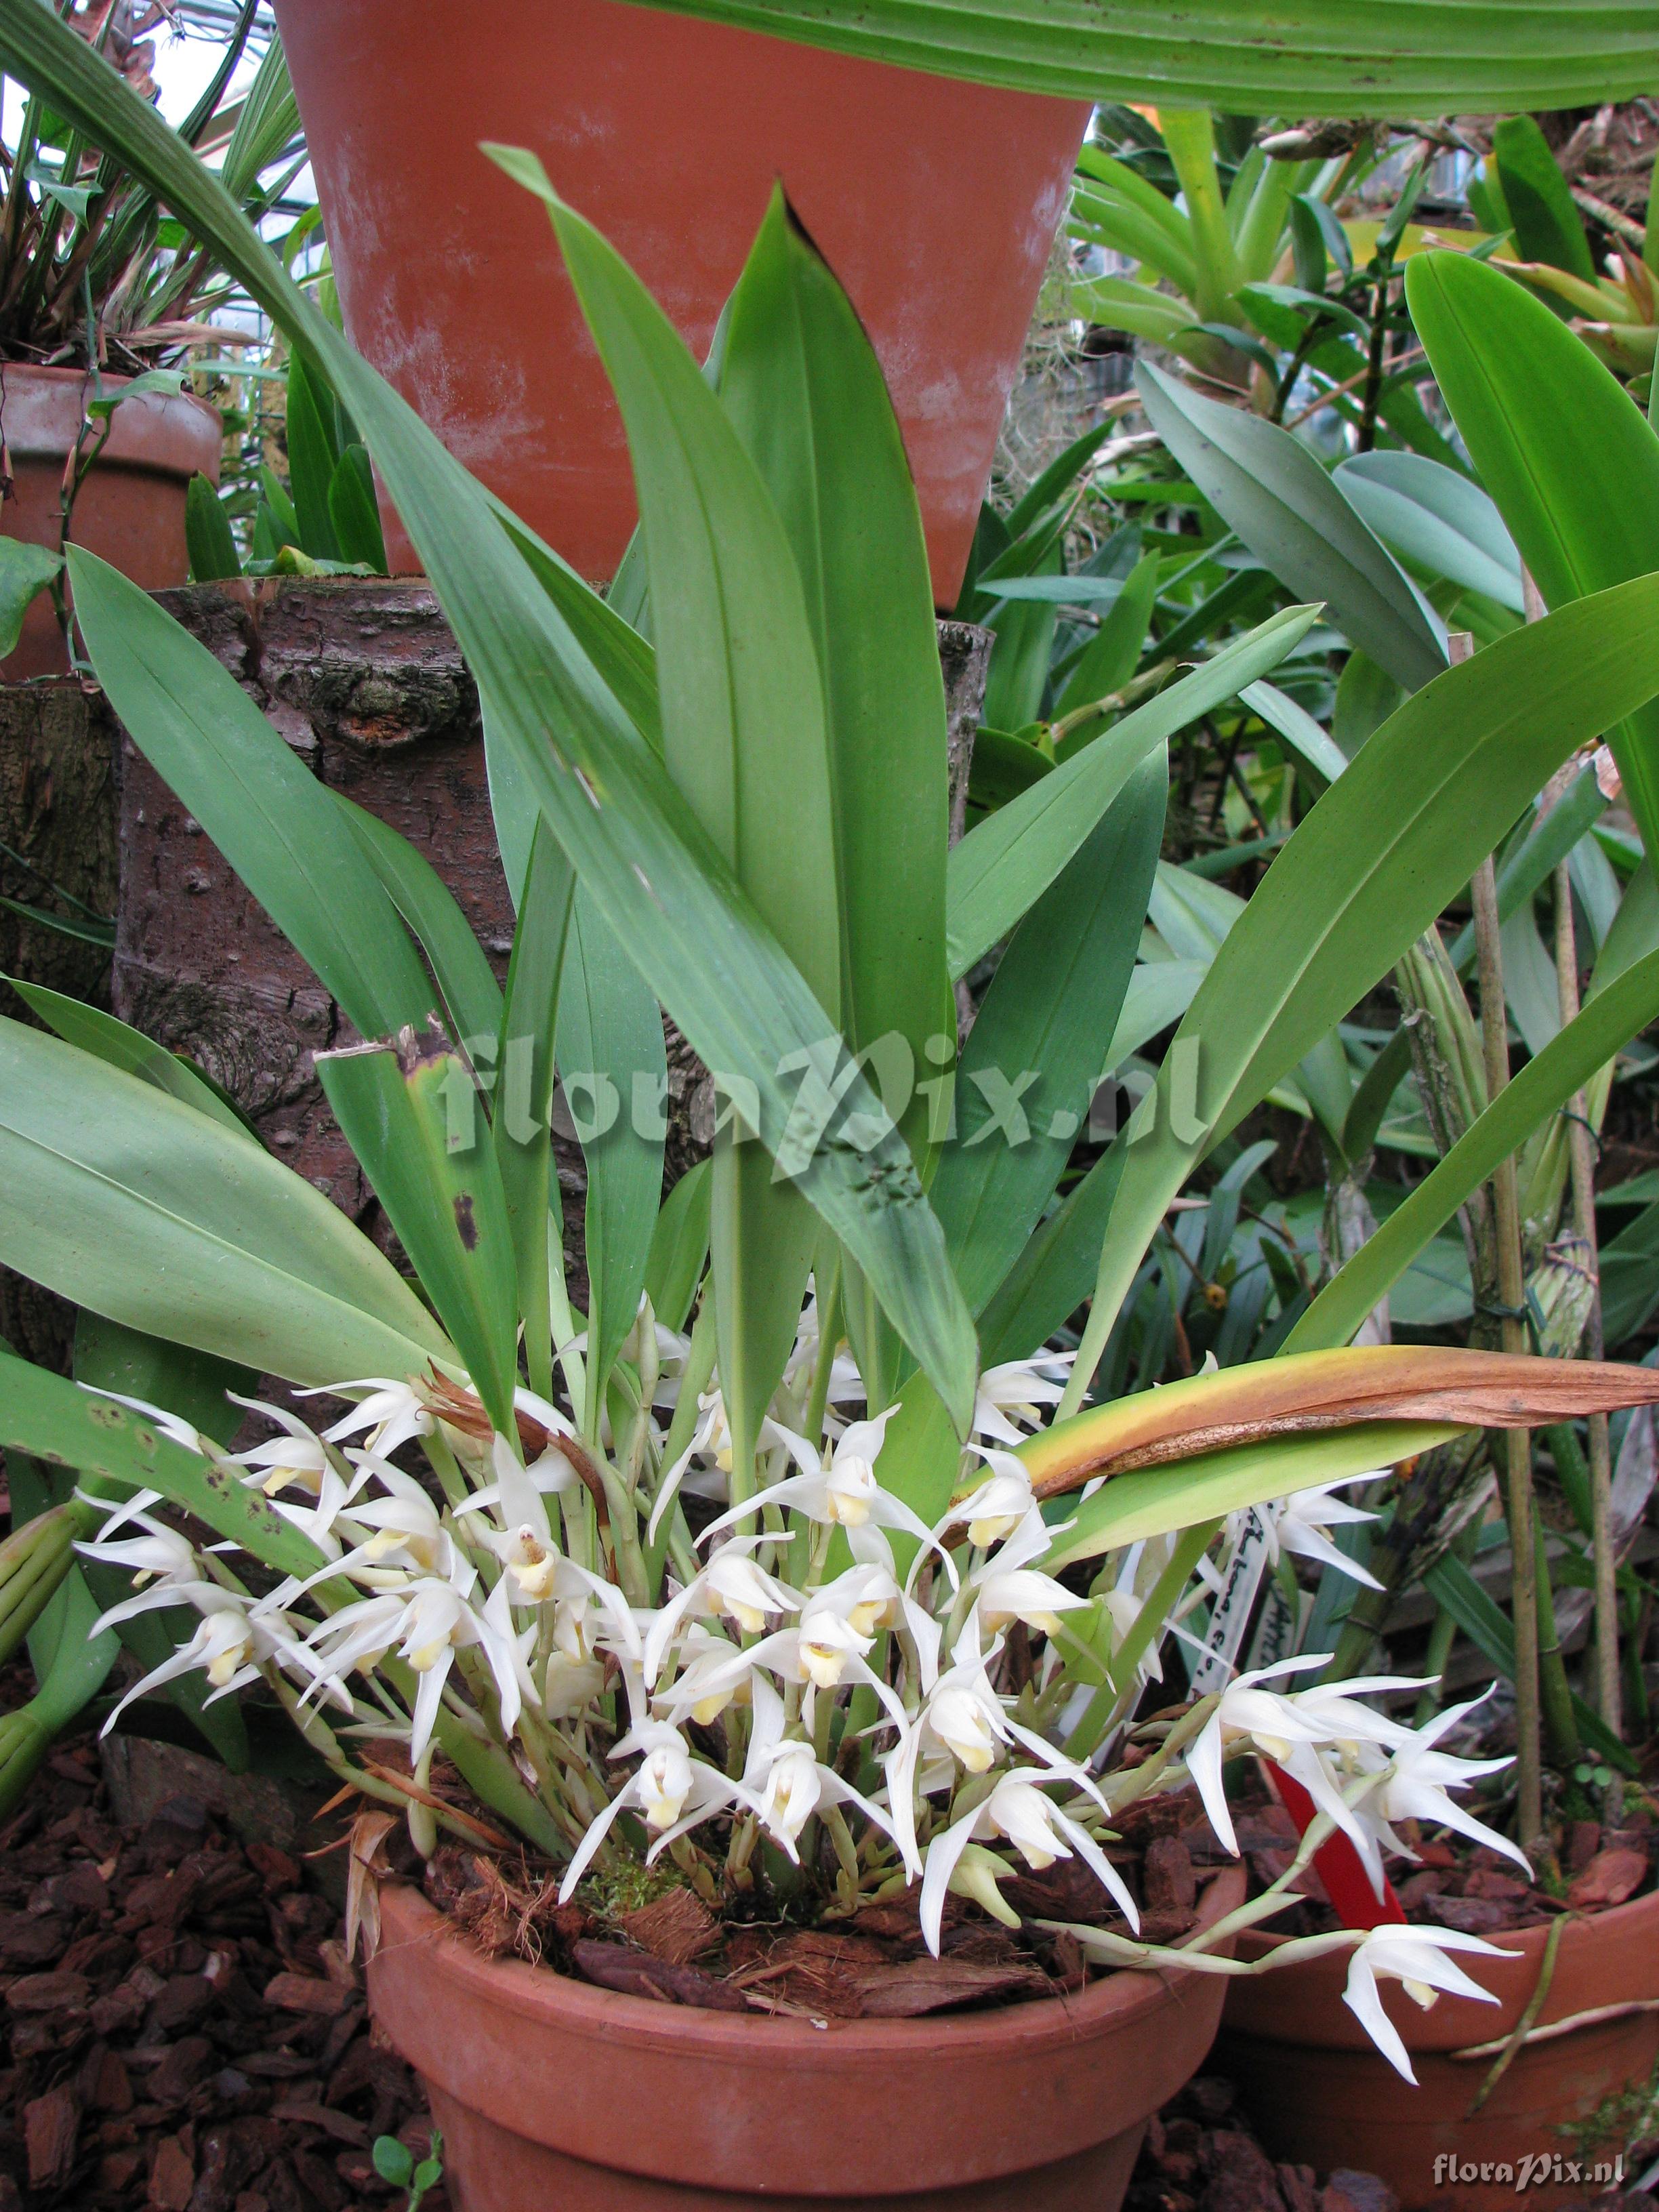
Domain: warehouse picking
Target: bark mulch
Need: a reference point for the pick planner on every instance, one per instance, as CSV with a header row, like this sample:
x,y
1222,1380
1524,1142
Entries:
x,y
185,2031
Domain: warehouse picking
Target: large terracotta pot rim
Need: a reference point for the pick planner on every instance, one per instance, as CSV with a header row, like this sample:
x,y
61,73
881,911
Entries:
x,y
1622,1943
174,432
534,1992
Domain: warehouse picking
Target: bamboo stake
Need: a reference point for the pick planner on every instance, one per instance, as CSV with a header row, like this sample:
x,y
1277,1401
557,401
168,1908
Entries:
x,y
1581,1164
1515,1445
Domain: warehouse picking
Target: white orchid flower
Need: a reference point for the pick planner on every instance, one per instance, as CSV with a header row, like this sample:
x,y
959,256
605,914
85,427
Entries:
x,y
159,1554
789,1783
407,1532
673,1790
231,1645
1001,1502
1298,1523
712,1679
841,1492
389,1411
732,1584
172,1425
297,1456
712,1675
711,1443
518,1492
1017,1809
1289,1729
426,1621
1411,1784
1416,1957
537,1570
962,1722
1007,1587
569,1686
1020,1388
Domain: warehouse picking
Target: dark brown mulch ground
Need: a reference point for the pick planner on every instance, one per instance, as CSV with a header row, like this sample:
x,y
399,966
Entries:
x,y
1201,2155
185,2031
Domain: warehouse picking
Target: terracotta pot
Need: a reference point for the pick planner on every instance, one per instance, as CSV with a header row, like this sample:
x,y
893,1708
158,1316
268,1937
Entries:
x,y
130,510
550,2091
936,203
1321,2095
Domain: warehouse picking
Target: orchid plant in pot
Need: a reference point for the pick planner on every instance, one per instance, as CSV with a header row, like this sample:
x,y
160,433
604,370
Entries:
x,y
768,1561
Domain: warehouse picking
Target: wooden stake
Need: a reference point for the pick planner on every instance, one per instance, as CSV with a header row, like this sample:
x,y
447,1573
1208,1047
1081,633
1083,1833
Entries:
x,y
1515,1445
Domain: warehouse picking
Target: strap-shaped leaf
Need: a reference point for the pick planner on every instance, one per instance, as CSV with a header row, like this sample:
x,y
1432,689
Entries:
x,y
466,983
1315,57
281,829
662,884
614,1067
1332,1389
1389,844
1569,458
91,1030
1436,517
805,391
524,1090
1270,488
1049,1012
55,1421
125,1200
412,1114
1003,867
1153,1501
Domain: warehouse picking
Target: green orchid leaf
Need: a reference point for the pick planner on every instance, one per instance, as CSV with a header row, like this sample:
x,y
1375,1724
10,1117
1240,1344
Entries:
x,y
208,538
1567,457
1155,1500
805,392
1539,201
193,1384
1436,517
662,884
1002,867
466,983
613,1064
26,570
313,455
92,1030
60,1425
355,512
1383,852
1113,654
1272,491
524,1090
679,1248
125,1200
1050,1011
278,827
411,1112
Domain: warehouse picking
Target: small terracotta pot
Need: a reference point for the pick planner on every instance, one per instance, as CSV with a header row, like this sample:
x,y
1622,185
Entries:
x,y
1321,2094
550,2091
935,203
130,511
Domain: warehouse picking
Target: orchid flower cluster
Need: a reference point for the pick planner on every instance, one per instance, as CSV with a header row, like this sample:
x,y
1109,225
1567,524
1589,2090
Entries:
x,y
665,1667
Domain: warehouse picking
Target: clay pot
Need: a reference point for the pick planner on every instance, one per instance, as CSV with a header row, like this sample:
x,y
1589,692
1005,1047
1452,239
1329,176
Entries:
x,y
130,511
1321,2095
935,203
550,2091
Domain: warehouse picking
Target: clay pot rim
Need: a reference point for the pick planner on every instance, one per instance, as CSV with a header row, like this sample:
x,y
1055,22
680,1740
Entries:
x,y
539,1993
1617,1920
175,433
